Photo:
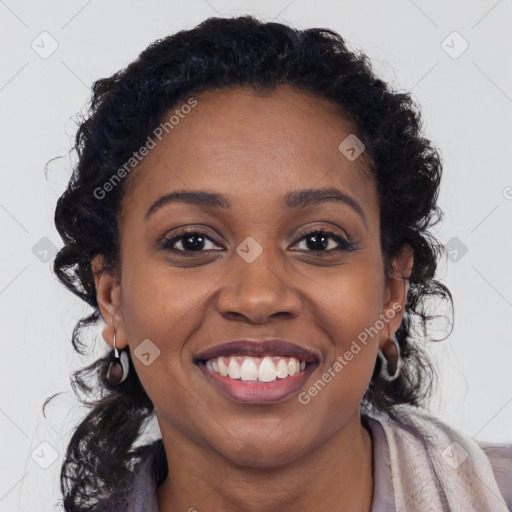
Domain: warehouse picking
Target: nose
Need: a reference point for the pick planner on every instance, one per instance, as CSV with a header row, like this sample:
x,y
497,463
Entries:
x,y
258,291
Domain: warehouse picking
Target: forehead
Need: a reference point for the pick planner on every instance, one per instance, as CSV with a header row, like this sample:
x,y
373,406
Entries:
x,y
241,143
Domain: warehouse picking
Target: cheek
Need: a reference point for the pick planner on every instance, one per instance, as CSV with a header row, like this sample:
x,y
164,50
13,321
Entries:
x,y
159,303
165,306
161,307
349,311
350,303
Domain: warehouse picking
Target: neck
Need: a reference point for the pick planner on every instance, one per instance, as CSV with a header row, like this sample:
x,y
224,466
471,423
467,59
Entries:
x,y
336,476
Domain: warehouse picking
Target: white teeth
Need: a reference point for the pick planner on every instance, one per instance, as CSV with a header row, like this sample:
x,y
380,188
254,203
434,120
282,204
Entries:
x,y
249,370
266,369
223,369
233,368
282,369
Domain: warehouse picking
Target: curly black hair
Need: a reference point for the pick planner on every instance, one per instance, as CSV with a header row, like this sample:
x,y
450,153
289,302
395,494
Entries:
x,y
128,106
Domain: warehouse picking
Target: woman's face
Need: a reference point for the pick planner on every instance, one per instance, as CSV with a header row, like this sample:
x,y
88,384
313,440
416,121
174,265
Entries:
x,y
251,273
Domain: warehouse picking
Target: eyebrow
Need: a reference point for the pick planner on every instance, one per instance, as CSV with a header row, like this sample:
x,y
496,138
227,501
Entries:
x,y
292,200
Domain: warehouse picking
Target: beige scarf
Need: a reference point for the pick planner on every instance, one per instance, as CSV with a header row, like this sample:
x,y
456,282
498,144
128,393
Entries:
x,y
465,480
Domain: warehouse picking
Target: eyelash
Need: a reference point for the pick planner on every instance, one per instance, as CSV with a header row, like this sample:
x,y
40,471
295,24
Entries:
x,y
344,245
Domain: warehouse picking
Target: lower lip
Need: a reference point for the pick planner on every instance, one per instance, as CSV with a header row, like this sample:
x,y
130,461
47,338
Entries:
x,y
256,392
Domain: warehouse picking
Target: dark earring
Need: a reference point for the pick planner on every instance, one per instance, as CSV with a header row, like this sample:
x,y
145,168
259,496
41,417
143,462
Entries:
x,y
391,361
118,369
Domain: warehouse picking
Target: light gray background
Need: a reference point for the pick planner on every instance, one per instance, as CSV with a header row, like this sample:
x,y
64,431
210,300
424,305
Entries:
x,y
466,103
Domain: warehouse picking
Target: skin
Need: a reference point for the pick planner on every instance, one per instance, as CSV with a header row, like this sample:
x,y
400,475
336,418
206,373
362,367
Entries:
x,y
254,149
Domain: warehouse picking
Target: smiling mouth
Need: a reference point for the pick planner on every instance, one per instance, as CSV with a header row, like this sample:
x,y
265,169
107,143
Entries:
x,y
245,386
256,369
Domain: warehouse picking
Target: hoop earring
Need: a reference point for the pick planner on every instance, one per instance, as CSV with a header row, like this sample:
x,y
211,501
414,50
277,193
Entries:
x,y
119,368
391,361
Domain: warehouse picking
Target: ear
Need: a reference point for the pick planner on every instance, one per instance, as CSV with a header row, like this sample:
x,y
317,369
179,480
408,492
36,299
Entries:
x,y
396,289
108,296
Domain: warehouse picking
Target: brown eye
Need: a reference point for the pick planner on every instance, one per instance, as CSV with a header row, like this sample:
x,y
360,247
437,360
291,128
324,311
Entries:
x,y
324,241
191,241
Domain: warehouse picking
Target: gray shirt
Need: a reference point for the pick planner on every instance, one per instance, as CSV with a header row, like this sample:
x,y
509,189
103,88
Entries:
x,y
144,490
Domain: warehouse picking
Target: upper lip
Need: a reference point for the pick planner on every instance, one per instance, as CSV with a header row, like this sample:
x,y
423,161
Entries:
x,y
258,348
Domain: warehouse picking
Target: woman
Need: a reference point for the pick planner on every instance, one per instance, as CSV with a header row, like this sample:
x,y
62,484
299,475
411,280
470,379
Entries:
x,y
250,217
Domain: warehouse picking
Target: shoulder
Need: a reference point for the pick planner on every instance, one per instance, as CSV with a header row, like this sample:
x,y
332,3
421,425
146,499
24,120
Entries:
x,y
500,458
498,455
481,467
